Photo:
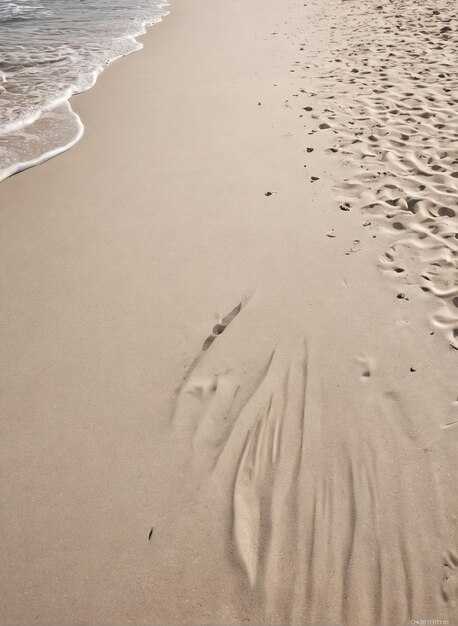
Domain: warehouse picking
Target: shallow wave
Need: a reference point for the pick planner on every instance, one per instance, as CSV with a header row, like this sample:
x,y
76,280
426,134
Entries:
x,y
11,11
47,54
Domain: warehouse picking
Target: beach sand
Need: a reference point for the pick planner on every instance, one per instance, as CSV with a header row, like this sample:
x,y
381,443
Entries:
x,y
226,398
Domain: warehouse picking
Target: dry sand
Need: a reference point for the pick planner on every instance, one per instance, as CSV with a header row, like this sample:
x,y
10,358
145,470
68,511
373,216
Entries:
x,y
251,376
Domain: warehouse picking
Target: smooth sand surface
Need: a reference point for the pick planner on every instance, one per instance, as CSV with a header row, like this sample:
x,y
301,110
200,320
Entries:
x,y
248,376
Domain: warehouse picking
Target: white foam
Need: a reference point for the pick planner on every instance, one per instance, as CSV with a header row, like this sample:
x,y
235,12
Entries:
x,y
46,153
60,58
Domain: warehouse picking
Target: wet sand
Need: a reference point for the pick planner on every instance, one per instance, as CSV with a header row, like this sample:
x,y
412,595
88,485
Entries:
x,y
222,401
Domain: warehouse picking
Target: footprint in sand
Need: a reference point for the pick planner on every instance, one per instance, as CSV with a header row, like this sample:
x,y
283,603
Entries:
x,y
393,110
366,366
219,328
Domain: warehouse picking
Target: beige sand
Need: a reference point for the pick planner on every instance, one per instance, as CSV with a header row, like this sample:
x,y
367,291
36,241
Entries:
x,y
234,370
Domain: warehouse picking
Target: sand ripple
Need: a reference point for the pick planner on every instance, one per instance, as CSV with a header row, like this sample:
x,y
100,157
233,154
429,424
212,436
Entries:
x,y
391,97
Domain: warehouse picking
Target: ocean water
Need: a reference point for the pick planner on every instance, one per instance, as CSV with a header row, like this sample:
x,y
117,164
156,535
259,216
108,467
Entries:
x,y
50,50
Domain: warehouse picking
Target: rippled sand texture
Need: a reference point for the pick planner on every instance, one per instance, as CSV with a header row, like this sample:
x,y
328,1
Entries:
x,y
391,90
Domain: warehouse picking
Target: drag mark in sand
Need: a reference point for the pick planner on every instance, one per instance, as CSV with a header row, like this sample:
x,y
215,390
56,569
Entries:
x,y
265,491
318,506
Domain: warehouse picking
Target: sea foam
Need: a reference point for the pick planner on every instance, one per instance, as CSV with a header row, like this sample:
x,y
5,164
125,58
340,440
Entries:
x,y
50,51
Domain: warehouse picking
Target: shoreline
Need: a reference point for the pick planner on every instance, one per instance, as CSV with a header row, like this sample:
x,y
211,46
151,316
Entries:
x,y
187,211
62,104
